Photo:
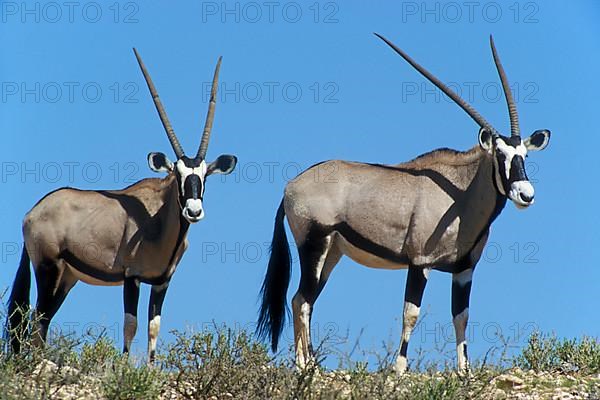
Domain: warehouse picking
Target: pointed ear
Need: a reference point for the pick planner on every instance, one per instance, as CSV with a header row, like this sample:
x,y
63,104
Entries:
x,y
486,139
224,164
158,162
538,140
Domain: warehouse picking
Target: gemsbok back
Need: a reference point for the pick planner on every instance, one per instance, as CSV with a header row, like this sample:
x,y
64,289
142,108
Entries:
x,y
115,237
433,212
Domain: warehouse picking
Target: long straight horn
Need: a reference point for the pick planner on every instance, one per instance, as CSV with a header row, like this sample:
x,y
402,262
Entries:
x,y
449,92
210,116
510,102
161,110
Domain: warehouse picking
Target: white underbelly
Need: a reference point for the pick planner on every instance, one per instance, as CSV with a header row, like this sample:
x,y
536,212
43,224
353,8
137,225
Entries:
x,y
365,258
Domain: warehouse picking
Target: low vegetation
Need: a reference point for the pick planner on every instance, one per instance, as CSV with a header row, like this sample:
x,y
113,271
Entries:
x,y
226,364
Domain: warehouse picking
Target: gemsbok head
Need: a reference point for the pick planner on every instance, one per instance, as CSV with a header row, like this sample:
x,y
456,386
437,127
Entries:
x,y
433,212
115,237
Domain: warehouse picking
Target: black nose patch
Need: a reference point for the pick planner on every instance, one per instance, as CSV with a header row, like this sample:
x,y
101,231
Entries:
x,y
517,170
192,187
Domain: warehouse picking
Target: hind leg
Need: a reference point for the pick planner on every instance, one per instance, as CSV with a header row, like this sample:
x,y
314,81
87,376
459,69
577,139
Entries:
x,y
131,295
54,281
318,257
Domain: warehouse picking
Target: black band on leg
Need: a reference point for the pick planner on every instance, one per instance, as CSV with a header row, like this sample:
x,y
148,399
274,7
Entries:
x,y
157,297
46,280
404,348
460,297
309,253
415,286
416,281
131,294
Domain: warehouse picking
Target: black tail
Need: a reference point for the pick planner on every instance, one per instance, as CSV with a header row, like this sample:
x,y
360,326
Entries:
x,y
18,303
274,289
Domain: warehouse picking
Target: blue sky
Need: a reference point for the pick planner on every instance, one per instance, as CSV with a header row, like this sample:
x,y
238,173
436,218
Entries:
x,y
302,83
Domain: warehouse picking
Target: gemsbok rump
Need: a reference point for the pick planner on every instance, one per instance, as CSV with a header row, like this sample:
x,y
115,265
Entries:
x,y
115,237
433,212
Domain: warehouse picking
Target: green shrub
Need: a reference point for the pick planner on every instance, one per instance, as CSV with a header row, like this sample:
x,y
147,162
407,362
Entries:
x,y
547,353
224,363
98,355
126,381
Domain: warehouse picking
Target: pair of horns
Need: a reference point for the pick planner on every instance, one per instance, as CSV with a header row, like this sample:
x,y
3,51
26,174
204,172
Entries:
x,y
165,120
512,108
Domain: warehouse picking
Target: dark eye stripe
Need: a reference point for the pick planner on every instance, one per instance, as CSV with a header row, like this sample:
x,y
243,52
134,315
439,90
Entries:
x,y
502,165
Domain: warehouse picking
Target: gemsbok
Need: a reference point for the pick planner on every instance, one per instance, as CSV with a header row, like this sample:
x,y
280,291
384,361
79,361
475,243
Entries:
x,y
115,237
433,212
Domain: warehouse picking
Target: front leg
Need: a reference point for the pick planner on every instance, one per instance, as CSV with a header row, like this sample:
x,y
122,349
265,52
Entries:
x,y
461,292
157,296
131,294
413,295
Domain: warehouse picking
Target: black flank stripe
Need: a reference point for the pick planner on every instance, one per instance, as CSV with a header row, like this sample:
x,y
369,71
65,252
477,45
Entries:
x,y
359,241
88,270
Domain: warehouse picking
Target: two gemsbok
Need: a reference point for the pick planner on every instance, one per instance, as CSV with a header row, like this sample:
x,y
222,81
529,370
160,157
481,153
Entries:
x,y
433,212
115,237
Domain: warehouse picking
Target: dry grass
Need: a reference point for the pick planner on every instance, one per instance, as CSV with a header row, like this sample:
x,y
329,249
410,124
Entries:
x,y
227,364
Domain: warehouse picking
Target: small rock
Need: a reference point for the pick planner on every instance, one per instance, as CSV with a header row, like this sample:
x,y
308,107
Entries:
x,y
498,394
506,381
563,396
45,367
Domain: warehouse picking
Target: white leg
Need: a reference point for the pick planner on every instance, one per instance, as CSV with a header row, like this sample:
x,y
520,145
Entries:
x,y
153,329
460,326
302,312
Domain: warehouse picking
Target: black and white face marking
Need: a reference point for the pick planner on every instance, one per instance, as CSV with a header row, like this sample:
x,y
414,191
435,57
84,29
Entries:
x,y
191,174
509,160
511,177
